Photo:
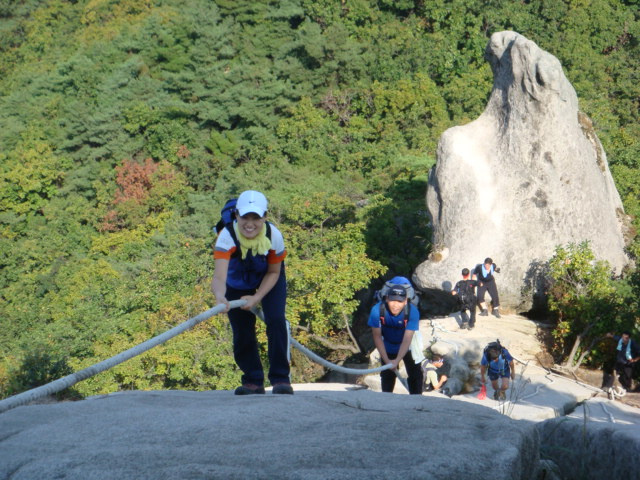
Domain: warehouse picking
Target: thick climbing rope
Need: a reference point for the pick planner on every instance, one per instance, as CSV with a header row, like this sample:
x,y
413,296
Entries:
x,y
338,368
325,363
436,325
612,419
70,380
332,366
547,376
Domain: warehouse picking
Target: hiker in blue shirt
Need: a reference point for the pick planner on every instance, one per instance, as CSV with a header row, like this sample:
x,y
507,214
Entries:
x,y
627,355
497,362
393,322
249,264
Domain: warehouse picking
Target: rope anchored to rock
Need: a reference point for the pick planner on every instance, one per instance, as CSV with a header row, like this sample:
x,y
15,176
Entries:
x,y
70,380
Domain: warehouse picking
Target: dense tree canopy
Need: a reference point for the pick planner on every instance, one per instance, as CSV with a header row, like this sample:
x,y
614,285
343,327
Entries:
x,y
126,124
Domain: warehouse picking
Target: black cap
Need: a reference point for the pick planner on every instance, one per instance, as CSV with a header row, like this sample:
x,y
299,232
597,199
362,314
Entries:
x,y
397,292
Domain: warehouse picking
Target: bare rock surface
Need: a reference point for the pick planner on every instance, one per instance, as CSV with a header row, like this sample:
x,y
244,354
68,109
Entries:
x,y
527,175
334,431
537,393
324,431
599,450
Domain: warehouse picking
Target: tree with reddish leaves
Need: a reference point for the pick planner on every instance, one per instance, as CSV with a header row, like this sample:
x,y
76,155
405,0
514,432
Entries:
x,y
134,180
143,188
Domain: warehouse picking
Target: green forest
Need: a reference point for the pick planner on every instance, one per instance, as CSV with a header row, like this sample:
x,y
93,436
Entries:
x,y
125,125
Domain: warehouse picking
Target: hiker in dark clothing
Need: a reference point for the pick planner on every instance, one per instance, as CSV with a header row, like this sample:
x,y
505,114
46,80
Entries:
x,y
487,283
627,355
465,291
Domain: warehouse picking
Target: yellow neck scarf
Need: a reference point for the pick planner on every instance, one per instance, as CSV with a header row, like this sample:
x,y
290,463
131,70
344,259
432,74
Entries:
x,y
260,244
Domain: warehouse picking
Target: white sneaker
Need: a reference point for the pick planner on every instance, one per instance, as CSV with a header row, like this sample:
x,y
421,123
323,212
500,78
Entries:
x,y
620,392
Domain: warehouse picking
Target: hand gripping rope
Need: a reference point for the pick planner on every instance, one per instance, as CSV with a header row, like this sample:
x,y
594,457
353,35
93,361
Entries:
x,y
70,380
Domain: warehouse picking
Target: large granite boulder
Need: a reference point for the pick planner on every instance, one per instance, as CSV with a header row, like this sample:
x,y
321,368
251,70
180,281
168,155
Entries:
x,y
527,175
587,449
310,435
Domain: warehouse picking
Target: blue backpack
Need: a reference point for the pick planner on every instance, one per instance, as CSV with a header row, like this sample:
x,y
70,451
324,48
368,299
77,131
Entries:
x,y
227,217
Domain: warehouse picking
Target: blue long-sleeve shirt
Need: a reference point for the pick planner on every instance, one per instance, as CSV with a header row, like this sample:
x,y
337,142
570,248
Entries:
x,y
394,328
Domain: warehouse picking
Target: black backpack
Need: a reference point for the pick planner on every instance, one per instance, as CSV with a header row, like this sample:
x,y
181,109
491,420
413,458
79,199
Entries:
x,y
227,216
465,292
495,346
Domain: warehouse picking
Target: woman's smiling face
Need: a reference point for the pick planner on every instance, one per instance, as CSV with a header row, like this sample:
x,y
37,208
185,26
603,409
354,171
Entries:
x,y
250,225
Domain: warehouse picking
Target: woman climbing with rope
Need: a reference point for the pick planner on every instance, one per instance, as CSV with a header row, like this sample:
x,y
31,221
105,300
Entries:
x,y
249,264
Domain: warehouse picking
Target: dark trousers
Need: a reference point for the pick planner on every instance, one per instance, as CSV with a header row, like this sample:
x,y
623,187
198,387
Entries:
x,y
245,343
415,380
625,374
493,293
471,306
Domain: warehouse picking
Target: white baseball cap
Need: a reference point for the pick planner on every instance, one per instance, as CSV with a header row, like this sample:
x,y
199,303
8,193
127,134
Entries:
x,y
252,202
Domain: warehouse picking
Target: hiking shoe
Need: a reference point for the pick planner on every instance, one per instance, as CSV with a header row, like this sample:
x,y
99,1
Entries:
x,y
464,326
496,314
282,389
471,327
249,389
484,313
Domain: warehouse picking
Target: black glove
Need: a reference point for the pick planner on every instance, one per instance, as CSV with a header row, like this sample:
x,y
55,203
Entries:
x,y
497,269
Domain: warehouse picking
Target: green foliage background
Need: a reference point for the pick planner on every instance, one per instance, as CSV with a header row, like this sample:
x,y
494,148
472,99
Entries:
x,y
589,304
125,125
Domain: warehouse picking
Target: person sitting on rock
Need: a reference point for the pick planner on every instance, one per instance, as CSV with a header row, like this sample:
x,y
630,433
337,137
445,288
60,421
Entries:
x,y
497,362
627,355
393,322
465,291
433,371
487,283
